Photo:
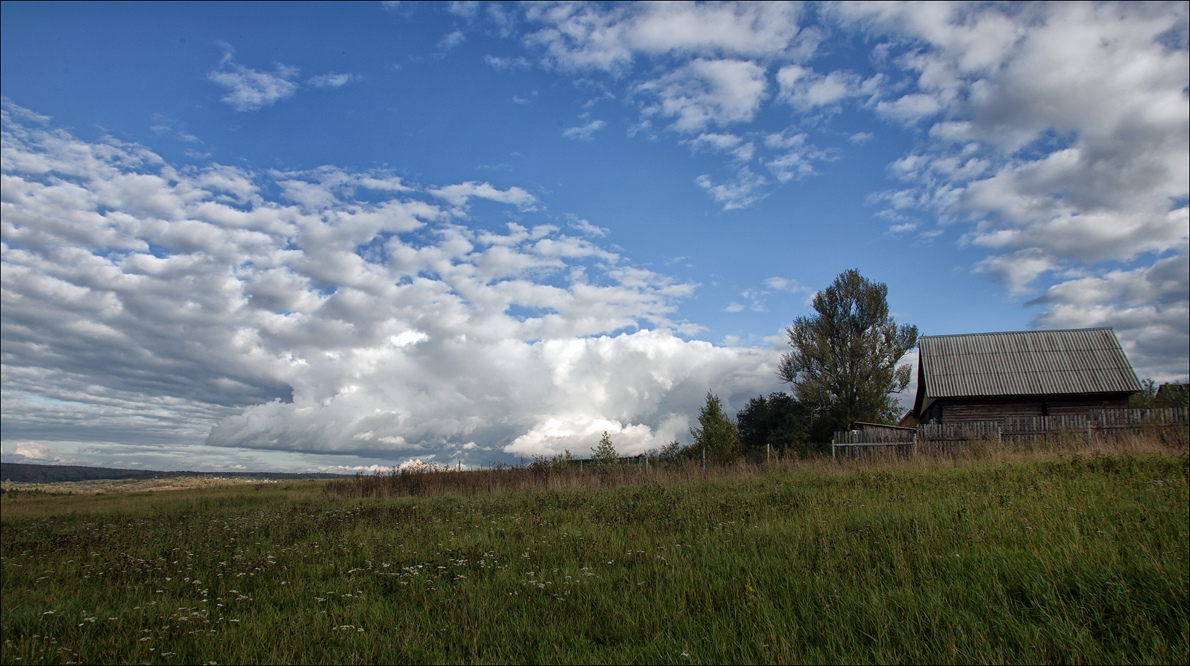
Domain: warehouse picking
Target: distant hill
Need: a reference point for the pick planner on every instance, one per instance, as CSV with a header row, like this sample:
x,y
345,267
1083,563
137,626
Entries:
x,y
27,473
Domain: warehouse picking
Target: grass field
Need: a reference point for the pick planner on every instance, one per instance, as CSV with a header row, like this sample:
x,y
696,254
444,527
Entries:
x,y
1058,556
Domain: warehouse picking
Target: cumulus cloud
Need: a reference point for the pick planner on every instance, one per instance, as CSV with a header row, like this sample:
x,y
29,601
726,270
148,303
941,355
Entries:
x,y
709,92
535,397
741,191
458,195
693,68
1061,136
1053,136
1146,306
31,452
249,89
741,150
805,89
147,303
610,37
588,229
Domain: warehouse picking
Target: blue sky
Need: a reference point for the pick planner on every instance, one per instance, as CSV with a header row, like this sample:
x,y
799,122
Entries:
x,y
316,236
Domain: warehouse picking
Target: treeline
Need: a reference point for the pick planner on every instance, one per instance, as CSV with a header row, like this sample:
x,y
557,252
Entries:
x,y
766,428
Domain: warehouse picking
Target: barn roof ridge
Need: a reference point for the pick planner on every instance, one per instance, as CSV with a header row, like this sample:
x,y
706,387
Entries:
x,y
1025,332
1023,363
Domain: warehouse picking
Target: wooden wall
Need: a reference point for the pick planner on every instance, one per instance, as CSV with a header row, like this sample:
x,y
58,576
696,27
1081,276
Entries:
x,y
965,410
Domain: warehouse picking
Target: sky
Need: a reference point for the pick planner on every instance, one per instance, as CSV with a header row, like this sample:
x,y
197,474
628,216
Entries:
x,y
340,237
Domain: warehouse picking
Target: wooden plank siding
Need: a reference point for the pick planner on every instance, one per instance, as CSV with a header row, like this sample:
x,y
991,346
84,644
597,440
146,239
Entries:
x,y
968,410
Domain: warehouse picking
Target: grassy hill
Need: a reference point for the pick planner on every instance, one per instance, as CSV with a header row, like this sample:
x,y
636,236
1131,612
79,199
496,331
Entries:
x,y
1059,556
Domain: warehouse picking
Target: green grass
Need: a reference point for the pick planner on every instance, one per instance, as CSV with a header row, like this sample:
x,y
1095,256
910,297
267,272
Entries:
x,y
1062,558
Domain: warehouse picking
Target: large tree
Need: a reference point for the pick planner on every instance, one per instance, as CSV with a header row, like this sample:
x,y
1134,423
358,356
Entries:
x,y
844,360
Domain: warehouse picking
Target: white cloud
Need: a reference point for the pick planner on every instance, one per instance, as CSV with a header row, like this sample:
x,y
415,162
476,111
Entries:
x,y
709,92
149,304
33,452
507,63
911,108
458,195
783,284
1018,270
806,90
588,229
331,80
584,132
1061,135
741,191
740,150
450,41
610,37
250,90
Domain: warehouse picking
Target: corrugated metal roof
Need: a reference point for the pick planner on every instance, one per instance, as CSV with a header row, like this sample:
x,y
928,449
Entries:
x,y
1087,360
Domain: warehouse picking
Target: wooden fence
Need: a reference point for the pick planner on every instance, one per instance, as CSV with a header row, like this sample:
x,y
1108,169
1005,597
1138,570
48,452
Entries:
x,y
900,441
948,437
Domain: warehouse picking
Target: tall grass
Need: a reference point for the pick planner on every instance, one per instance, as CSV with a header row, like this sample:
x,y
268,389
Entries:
x,y
1003,556
557,474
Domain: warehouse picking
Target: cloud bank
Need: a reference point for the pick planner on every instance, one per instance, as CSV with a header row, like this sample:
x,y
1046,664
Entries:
x,y
327,311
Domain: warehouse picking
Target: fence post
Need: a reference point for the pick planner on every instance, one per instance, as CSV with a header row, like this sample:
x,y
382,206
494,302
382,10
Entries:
x,y
767,453
704,457
832,448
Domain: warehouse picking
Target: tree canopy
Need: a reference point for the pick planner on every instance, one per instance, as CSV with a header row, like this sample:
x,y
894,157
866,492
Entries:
x,y
779,421
843,365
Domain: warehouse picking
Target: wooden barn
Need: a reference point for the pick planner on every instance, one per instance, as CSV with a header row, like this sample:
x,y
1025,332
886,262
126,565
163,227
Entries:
x,y
994,376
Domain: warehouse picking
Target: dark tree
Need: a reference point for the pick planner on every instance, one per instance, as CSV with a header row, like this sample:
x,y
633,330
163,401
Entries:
x,y
779,422
670,452
844,360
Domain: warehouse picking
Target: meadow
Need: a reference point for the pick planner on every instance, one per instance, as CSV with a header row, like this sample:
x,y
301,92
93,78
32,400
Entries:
x,y
1068,554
